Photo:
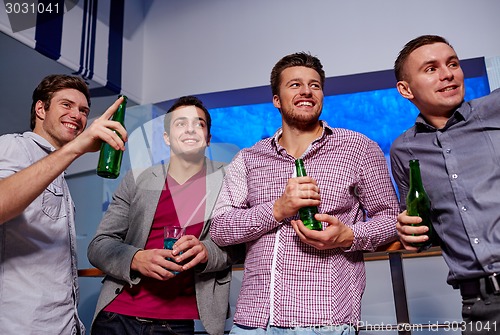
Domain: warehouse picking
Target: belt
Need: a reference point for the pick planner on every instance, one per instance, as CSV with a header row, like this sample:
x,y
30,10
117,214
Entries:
x,y
146,320
472,287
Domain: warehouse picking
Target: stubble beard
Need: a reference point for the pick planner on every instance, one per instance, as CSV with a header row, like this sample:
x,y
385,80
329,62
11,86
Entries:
x,y
300,121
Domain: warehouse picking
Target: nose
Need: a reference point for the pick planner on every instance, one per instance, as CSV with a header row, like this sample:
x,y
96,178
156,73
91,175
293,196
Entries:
x,y
190,128
446,73
305,90
75,113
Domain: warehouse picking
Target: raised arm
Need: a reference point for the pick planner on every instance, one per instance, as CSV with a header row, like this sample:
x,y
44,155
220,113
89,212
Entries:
x,y
30,182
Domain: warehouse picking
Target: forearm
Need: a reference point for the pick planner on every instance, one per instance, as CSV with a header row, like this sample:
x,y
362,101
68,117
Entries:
x,y
232,226
373,233
30,182
220,258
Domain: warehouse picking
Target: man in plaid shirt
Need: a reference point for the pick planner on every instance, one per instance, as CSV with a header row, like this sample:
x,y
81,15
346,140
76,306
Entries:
x,y
296,279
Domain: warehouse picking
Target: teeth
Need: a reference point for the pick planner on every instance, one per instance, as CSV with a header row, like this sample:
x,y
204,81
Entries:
x,y
71,126
305,103
448,89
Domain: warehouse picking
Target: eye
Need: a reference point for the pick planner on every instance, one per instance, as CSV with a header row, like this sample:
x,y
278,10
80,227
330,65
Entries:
x,y
430,69
85,112
294,85
316,86
454,65
180,124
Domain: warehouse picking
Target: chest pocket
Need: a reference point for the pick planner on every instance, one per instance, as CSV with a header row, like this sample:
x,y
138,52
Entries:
x,y
52,202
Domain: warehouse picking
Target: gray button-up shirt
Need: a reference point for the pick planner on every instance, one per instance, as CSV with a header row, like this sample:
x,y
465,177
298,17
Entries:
x,y
38,270
460,166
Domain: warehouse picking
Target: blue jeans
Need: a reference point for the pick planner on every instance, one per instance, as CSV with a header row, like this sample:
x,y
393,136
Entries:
x,y
108,323
313,330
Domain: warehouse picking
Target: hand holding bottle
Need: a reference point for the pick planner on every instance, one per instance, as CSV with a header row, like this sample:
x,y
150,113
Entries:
x,y
101,130
335,235
411,231
419,204
299,192
110,158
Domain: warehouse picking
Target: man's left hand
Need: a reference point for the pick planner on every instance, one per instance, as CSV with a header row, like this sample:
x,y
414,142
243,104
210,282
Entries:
x,y
335,235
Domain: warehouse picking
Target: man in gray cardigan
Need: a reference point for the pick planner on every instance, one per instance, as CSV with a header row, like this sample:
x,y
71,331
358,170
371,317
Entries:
x,y
146,286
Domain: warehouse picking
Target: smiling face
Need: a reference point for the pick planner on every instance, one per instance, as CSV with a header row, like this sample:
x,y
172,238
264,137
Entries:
x,y
188,132
300,97
433,80
65,119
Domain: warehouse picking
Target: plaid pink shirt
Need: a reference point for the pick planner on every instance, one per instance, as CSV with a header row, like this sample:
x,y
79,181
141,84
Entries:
x,y
287,282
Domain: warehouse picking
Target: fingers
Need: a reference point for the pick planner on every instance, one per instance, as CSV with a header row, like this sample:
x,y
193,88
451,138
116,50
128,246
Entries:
x,y
335,235
154,263
299,192
410,232
112,109
190,250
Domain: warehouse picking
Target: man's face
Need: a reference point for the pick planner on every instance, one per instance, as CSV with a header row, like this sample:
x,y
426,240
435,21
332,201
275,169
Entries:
x,y
434,80
65,119
188,131
300,97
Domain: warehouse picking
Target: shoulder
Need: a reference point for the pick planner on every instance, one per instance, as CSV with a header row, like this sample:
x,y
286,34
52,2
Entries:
x,y
490,102
349,138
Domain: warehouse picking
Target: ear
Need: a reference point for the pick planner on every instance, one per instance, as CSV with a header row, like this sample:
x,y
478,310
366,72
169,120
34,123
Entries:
x,y
404,89
166,138
40,110
209,138
276,101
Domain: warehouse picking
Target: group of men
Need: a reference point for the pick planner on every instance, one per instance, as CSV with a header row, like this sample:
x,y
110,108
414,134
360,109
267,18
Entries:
x,y
296,280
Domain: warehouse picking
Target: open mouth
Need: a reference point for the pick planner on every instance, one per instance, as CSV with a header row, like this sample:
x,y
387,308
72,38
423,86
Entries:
x,y
448,89
190,141
304,103
70,126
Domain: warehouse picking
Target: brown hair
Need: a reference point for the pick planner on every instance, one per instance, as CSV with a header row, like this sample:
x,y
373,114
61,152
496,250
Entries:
x,y
52,84
296,59
412,46
188,100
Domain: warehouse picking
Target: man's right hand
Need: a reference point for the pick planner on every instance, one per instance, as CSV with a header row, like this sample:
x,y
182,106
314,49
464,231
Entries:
x,y
101,130
299,192
153,263
408,233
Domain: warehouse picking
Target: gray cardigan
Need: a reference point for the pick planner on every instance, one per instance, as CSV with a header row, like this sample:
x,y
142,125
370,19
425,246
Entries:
x,y
124,230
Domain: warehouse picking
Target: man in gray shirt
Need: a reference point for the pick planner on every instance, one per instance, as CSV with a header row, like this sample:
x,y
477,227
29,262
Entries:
x,y
458,146
38,271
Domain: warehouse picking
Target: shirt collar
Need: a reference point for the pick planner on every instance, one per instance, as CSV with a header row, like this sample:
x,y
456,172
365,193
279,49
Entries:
x,y
42,142
327,130
462,113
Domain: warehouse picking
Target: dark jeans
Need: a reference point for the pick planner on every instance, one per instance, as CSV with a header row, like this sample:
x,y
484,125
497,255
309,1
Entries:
x,y
108,323
481,313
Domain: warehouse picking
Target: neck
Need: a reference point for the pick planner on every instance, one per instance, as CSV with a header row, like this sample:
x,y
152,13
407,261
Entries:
x,y
296,141
182,169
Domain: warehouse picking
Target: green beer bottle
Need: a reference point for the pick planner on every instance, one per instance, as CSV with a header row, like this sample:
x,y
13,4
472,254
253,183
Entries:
x,y
306,214
110,159
418,203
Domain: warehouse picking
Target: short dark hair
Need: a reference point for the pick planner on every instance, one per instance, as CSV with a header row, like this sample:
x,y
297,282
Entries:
x,y
412,46
296,59
188,100
52,84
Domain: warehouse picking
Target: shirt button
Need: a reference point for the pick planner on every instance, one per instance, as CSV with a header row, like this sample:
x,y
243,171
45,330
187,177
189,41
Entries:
x,y
464,208
476,241
454,176
448,151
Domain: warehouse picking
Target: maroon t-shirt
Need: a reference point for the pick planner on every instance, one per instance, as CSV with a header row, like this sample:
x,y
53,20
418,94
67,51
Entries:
x,y
173,299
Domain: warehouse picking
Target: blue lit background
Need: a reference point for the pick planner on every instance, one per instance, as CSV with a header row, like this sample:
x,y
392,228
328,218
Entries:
x,y
382,115
368,103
